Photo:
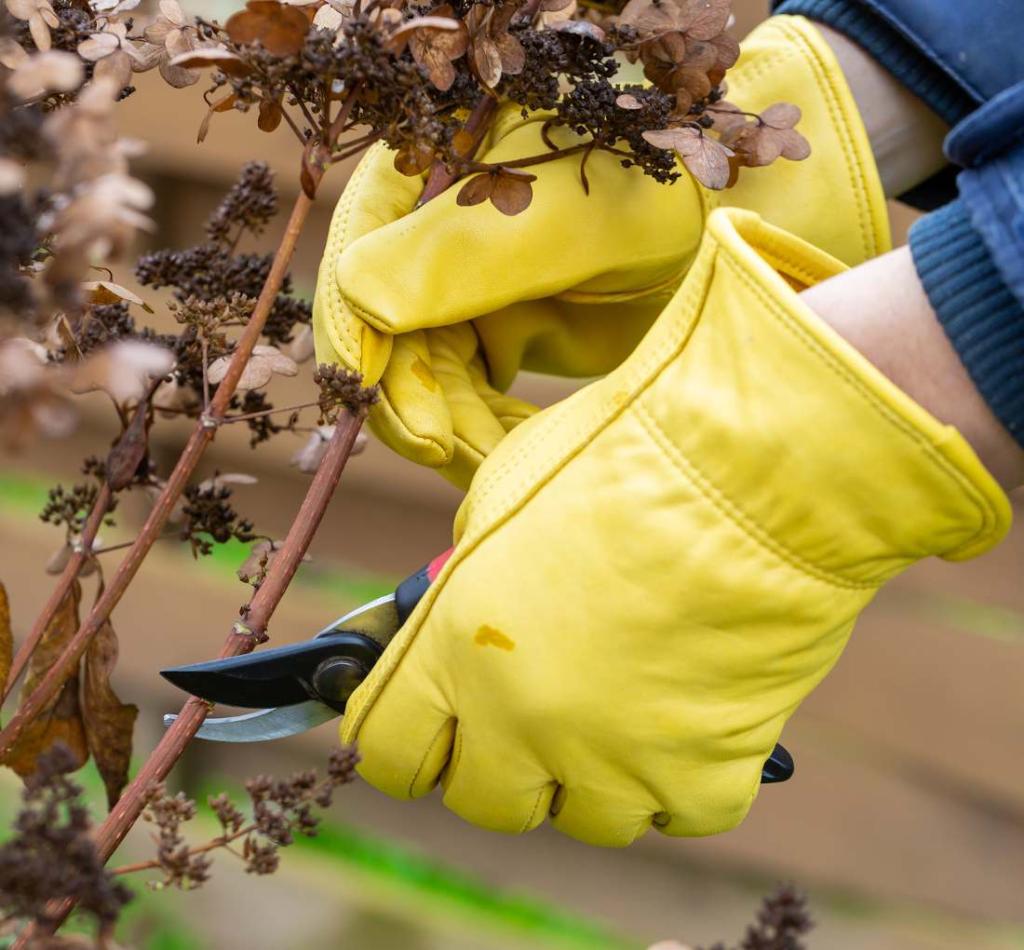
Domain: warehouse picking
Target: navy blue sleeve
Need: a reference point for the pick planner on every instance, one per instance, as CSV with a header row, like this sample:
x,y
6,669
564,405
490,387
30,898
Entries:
x,y
970,255
954,55
965,60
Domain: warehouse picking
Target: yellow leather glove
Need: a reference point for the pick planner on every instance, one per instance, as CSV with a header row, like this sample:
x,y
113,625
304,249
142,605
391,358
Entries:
x,y
446,305
651,575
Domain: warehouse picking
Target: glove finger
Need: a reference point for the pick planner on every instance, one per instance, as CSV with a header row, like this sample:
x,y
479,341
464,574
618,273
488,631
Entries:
x,y
375,195
710,804
508,410
475,428
444,264
404,728
413,416
590,814
495,786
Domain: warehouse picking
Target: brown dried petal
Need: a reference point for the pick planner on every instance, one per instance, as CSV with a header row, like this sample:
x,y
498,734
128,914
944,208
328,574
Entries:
x,y
579,28
476,190
109,723
100,292
61,721
704,157
628,101
279,28
512,192
486,59
217,57
781,115
415,159
705,19
511,53
270,115
435,49
53,71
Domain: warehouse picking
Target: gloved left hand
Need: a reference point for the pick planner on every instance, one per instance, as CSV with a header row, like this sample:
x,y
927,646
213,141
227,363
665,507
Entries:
x,y
443,306
651,576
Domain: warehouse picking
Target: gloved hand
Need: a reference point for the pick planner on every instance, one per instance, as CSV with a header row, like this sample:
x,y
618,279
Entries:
x,y
651,575
444,306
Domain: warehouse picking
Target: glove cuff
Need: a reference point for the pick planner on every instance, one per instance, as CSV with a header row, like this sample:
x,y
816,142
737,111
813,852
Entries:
x,y
834,198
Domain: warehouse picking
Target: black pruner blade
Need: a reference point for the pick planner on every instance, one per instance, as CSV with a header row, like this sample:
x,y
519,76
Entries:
x,y
327,668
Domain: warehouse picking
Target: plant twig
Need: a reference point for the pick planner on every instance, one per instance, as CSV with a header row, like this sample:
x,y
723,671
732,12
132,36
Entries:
x,y
153,527
242,638
80,552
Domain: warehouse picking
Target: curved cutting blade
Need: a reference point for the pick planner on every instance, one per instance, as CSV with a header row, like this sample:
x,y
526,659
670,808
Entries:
x,y
265,724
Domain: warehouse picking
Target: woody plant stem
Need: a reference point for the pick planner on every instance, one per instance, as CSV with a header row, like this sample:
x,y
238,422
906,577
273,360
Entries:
x,y
202,435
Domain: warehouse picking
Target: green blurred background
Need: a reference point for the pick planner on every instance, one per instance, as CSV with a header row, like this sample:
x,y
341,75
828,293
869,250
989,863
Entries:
x,y
904,821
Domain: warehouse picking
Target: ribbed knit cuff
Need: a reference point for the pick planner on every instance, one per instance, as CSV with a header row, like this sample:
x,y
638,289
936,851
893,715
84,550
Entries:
x,y
892,51
982,318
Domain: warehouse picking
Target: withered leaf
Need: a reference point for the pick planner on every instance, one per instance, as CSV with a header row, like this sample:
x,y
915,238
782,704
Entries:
x,y
226,104
705,19
61,721
129,451
6,636
279,28
435,43
704,157
270,115
508,189
109,723
414,159
100,292
217,57
762,142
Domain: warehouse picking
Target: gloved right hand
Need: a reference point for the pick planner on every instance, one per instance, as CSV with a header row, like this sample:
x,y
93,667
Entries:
x,y
443,306
652,575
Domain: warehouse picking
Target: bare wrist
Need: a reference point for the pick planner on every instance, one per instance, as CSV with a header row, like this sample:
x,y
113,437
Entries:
x,y
882,310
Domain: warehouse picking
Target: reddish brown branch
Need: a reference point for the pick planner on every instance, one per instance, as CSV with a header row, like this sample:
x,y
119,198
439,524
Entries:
x,y
241,639
201,437
81,551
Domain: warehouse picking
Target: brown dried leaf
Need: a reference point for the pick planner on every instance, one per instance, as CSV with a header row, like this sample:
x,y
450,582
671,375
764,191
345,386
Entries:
x,y
61,721
6,636
704,157
512,191
221,105
414,159
279,28
436,47
129,451
108,722
101,292
762,142
218,57
270,115
705,19
476,190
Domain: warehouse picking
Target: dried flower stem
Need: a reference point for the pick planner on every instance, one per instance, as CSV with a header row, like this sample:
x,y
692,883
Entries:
x,y
244,417
81,551
242,639
201,437
221,841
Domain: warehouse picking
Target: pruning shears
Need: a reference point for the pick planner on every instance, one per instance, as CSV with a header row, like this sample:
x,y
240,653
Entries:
x,y
296,687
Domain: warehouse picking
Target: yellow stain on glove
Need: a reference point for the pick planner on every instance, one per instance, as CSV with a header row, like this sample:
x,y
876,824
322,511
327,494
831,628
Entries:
x,y
679,553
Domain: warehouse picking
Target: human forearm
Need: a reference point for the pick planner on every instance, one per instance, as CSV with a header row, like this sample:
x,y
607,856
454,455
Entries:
x,y
906,136
881,308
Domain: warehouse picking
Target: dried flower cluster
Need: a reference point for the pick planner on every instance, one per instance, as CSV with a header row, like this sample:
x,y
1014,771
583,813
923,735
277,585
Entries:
x,y
408,73
51,854
279,810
